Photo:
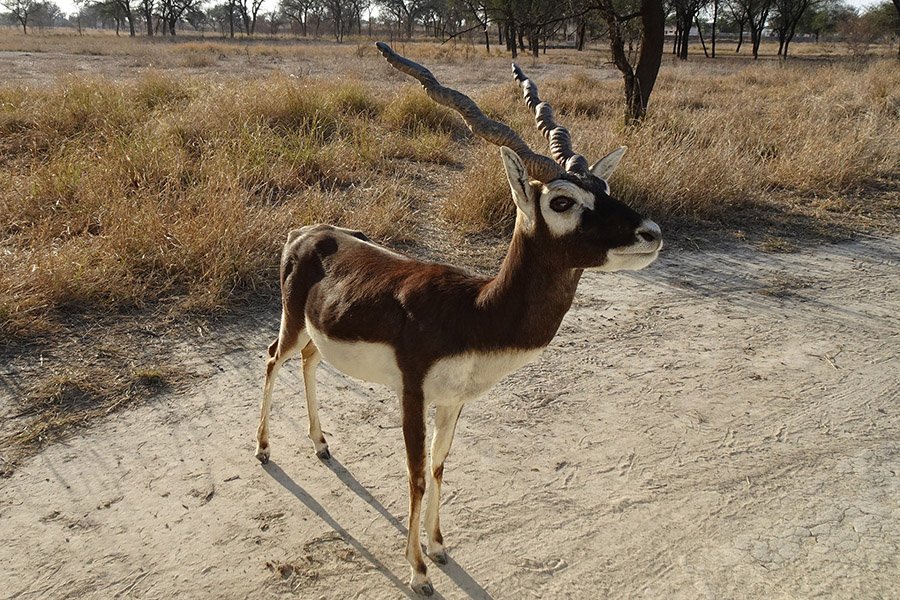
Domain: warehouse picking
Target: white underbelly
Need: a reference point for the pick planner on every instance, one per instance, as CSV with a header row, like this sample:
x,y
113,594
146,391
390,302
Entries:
x,y
464,377
369,361
451,380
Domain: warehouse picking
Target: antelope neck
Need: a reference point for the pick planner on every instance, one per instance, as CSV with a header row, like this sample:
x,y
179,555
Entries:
x,y
530,294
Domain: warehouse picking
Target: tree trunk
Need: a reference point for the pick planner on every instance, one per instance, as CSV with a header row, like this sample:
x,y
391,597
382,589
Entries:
x,y
685,40
714,24
653,21
148,16
511,38
700,33
639,82
740,40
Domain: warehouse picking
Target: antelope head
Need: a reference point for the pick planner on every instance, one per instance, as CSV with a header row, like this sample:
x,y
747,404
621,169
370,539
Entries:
x,y
563,203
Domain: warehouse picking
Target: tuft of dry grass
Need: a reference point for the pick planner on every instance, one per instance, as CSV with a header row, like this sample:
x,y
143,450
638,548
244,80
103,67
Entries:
x,y
413,112
64,401
481,200
118,195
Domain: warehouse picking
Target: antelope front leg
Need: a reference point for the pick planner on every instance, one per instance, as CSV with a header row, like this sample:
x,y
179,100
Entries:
x,y
445,419
413,407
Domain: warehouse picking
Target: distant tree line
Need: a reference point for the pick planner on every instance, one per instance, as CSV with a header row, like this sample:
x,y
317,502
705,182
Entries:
x,y
635,30
780,20
519,26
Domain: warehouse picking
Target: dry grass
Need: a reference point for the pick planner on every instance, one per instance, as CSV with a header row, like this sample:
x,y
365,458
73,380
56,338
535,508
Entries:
x,y
714,142
75,397
119,194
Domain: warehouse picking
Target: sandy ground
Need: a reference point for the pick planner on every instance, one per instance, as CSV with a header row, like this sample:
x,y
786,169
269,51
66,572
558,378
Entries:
x,y
721,425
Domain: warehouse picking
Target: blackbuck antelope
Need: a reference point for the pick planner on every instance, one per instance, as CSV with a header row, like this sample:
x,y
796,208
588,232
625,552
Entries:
x,y
434,333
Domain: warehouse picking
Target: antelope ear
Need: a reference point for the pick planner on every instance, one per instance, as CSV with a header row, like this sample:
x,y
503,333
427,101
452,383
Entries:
x,y
604,167
519,184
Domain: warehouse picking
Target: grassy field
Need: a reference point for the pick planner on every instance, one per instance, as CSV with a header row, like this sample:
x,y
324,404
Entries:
x,y
166,178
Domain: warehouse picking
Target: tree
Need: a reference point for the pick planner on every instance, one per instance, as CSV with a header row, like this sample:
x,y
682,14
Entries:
x,y
824,16
639,80
786,15
45,14
20,10
406,12
298,11
877,22
248,12
740,18
685,14
480,12
172,11
859,34
146,7
124,8
339,11
757,12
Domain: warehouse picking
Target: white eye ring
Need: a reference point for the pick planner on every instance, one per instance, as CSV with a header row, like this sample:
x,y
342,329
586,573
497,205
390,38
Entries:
x,y
561,204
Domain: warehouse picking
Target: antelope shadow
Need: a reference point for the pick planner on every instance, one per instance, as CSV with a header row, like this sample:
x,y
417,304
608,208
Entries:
x,y
452,569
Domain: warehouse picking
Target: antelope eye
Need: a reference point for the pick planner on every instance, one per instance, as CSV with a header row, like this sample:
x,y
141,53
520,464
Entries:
x,y
561,204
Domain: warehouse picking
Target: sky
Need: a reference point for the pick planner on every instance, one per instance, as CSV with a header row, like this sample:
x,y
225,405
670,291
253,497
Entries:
x,y
68,6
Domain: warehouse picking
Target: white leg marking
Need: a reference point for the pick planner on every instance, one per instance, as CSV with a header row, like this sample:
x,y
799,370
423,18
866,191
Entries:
x,y
285,349
311,359
445,419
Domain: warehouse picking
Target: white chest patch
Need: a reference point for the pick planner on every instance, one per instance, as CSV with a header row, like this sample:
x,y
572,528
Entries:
x,y
465,377
368,361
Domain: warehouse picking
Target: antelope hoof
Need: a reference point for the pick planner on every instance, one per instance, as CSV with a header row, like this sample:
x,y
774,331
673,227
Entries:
x,y
438,556
423,589
420,583
324,454
262,454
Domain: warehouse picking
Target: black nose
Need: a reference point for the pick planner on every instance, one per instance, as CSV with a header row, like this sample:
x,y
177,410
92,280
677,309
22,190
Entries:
x,y
648,231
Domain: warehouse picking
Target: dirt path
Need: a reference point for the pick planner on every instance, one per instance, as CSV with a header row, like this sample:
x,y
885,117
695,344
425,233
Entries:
x,y
722,425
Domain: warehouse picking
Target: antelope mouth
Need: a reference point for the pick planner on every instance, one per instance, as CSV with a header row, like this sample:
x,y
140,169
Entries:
x,y
647,252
